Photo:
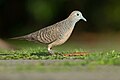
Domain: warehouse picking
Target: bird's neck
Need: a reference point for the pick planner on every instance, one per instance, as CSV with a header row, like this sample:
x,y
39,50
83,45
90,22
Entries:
x,y
70,22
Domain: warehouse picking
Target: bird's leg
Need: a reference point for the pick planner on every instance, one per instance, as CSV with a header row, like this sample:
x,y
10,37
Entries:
x,y
55,43
49,49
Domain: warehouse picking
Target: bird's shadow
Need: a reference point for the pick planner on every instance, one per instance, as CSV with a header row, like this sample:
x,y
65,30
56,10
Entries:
x,y
41,54
45,54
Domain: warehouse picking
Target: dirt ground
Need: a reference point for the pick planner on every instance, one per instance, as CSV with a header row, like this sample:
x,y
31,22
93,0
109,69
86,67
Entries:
x,y
98,73
95,75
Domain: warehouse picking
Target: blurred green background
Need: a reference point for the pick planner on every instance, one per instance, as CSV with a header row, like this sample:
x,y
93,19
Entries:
x,y
19,17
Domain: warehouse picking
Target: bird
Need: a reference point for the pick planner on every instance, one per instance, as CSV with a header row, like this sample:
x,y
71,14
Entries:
x,y
57,33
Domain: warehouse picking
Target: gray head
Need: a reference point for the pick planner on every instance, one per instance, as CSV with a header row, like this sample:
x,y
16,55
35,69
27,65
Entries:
x,y
76,16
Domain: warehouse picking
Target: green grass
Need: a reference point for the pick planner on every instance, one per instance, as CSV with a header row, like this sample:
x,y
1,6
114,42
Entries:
x,y
34,57
33,51
34,61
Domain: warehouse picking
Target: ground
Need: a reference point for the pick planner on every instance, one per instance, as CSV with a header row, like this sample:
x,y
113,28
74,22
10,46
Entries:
x,y
32,62
56,70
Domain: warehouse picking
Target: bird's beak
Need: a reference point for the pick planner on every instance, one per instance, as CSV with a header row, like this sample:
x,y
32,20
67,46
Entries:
x,y
84,19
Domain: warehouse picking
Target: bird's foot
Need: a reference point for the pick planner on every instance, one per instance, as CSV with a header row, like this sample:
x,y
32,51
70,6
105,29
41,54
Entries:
x,y
51,52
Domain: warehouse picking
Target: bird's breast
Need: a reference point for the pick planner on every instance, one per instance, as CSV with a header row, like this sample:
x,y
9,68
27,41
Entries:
x,y
64,37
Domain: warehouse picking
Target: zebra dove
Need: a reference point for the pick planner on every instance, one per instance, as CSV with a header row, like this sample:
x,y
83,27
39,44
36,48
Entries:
x,y
57,33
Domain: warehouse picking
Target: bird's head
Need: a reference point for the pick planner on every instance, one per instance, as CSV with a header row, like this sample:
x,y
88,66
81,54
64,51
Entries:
x,y
76,16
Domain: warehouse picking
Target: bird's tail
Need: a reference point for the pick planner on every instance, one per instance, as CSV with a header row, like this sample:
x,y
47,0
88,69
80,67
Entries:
x,y
26,37
20,37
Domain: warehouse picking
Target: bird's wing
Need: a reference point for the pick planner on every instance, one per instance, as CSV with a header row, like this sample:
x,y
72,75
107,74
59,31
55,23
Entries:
x,y
48,34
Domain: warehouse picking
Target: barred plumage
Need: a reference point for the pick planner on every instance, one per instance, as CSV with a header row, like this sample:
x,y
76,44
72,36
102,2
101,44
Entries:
x,y
55,34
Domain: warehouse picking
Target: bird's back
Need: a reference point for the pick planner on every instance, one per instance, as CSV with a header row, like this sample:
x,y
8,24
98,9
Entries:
x,y
46,35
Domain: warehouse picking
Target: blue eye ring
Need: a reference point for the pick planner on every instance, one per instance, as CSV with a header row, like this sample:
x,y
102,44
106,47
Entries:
x,y
77,14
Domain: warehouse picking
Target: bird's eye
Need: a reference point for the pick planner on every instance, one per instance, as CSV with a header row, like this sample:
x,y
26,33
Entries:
x,y
77,14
